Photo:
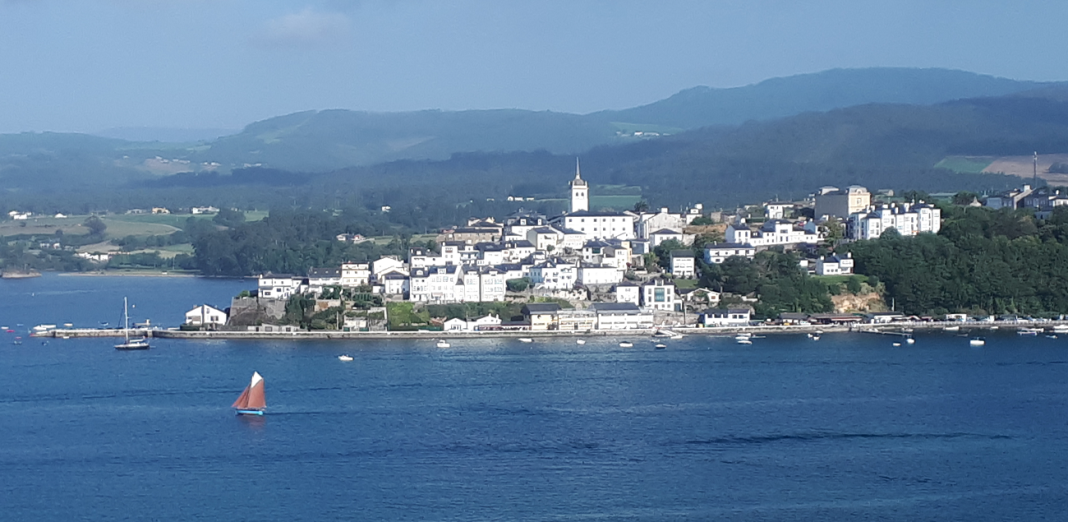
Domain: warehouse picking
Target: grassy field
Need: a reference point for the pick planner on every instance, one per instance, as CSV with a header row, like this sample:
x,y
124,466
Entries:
x,y
123,228
417,238
965,164
43,226
840,279
614,202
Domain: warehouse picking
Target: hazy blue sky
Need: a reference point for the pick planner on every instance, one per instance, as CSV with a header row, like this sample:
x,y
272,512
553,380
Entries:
x,y
82,65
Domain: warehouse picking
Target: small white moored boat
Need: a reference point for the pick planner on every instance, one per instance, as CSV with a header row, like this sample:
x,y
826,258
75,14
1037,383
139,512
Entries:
x,y
443,344
977,341
344,357
526,340
626,344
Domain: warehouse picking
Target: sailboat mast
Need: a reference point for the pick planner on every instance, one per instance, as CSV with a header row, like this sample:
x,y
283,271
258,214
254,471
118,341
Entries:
x,y
126,318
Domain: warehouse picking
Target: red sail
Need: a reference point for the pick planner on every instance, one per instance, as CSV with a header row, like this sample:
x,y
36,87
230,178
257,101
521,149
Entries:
x,y
253,397
242,401
256,398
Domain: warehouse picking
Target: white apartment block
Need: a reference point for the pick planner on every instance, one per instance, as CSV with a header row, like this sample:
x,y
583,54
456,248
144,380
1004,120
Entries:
x,y
907,219
599,225
355,274
658,295
554,275
772,233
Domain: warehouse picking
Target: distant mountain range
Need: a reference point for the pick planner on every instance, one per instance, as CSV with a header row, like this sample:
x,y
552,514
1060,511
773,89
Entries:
x,y
880,127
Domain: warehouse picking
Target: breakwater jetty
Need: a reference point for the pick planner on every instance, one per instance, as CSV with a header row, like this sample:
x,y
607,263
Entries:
x,y
899,329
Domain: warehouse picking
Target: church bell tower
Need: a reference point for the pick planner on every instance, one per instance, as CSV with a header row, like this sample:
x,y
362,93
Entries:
x,y
580,192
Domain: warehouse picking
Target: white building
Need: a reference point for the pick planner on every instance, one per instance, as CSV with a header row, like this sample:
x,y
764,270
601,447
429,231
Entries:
x,y
320,278
492,284
387,264
205,315
776,210
279,286
682,264
627,292
599,275
720,252
355,274
545,238
907,219
729,317
598,225
433,284
658,295
394,283
554,275
423,257
621,316
647,223
772,233
835,264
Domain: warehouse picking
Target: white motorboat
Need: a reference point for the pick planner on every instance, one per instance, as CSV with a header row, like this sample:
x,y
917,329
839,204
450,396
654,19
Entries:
x,y
526,340
815,337
580,341
977,341
1060,329
897,344
910,340
344,357
626,344
1028,331
443,344
660,346
952,328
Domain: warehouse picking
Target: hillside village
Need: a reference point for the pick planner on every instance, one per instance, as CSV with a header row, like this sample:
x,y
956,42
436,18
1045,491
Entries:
x,y
582,270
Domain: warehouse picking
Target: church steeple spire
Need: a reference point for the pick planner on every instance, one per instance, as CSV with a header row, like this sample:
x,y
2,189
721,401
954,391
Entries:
x,y
580,194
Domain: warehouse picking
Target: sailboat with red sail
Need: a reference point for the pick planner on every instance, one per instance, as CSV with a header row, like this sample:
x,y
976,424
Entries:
x,y
252,401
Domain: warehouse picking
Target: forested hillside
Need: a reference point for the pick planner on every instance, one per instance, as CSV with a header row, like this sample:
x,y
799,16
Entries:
x,y
982,262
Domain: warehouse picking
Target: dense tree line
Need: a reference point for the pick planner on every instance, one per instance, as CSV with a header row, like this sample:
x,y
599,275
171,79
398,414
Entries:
x,y
773,276
982,261
290,241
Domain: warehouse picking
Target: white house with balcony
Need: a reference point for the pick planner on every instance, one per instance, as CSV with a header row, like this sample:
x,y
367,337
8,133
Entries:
x,y
682,263
355,274
717,253
554,275
279,286
835,264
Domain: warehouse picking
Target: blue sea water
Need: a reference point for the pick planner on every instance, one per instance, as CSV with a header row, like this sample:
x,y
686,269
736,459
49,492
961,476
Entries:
x,y
846,428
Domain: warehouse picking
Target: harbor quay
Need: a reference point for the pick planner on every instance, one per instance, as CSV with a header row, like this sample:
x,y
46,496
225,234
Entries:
x,y
900,328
